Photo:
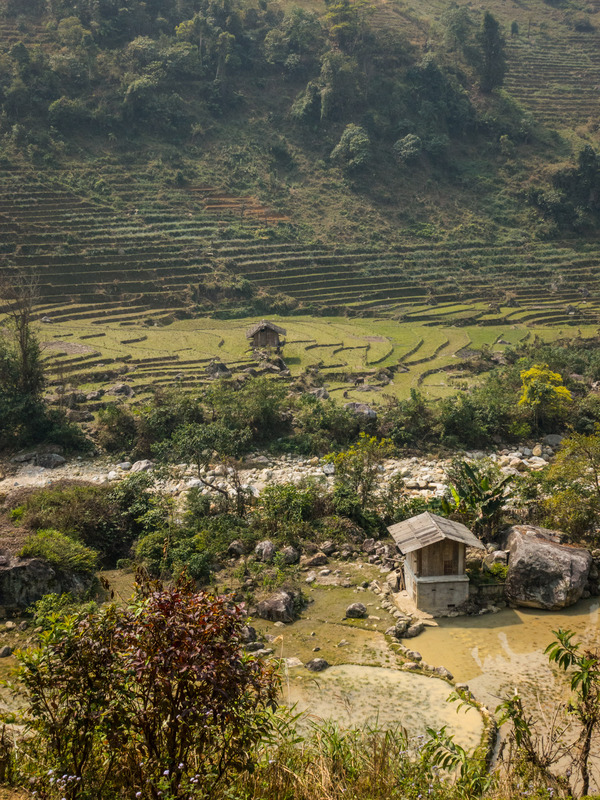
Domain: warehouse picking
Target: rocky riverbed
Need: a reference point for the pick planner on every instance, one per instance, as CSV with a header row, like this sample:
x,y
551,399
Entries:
x,y
422,475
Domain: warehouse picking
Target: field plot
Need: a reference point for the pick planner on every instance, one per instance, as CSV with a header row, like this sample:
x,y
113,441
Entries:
x,y
357,359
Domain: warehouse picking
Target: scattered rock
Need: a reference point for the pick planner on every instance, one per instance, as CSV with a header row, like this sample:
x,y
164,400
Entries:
x,y
321,393
291,663
50,460
410,665
142,466
10,625
290,555
328,548
414,655
443,673
248,634
329,469
317,665
120,389
361,409
356,611
414,630
279,607
553,439
318,560
265,551
5,651
237,549
124,465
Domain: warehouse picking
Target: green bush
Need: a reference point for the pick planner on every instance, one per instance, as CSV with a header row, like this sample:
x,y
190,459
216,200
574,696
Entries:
x,y
105,518
62,552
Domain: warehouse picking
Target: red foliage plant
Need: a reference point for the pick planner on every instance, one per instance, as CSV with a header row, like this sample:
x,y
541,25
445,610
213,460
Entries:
x,y
157,699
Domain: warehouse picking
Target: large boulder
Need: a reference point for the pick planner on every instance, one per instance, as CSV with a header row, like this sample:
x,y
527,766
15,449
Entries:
x,y
279,607
543,573
23,581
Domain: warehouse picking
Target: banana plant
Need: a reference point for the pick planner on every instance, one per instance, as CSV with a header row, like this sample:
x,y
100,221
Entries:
x,y
477,496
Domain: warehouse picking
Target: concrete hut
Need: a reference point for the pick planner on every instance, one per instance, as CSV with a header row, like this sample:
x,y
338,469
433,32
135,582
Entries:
x,y
434,564
265,334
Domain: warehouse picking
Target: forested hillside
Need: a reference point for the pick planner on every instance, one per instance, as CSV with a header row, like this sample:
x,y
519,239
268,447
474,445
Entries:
x,y
264,156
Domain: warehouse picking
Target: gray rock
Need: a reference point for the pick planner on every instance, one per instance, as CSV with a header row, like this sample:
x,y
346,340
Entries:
x,y
542,573
414,630
290,555
248,634
328,548
142,466
329,469
361,409
279,607
393,580
10,625
5,651
414,655
124,465
368,545
263,652
23,581
443,673
293,662
318,560
23,626
120,389
496,557
22,458
321,393
237,549
265,551
356,611
96,395
253,647
50,460
317,665
411,666
553,439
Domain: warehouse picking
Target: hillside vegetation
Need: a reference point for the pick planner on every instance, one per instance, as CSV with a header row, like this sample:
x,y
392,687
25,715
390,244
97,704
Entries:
x,y
246,158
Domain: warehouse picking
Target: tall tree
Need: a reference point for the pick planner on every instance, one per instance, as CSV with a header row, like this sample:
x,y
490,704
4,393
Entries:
x,y
492,67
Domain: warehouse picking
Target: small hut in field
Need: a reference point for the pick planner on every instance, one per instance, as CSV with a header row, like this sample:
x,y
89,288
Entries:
x,y
434,565
265,334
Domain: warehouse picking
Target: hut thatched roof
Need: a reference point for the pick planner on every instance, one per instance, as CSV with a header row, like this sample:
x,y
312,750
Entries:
x,y
259,326
426,529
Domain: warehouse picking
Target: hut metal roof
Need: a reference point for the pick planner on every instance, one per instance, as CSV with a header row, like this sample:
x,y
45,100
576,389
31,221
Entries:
x,y
259,326
426,529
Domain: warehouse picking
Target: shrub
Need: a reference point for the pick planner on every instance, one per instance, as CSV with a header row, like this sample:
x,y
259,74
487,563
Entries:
x,y
63,553
105,518
285,508
353,151
408,148
173,654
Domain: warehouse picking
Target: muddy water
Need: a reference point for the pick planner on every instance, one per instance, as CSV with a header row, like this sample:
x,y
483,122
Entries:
x,y
357,696
363,685
496,653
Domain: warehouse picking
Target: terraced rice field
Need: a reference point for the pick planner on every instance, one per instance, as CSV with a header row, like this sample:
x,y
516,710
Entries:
x,y
413,354
137,255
